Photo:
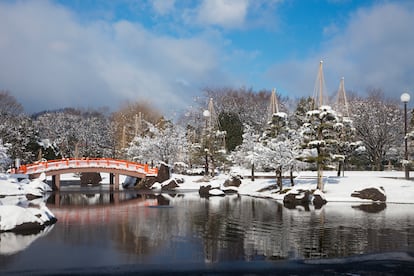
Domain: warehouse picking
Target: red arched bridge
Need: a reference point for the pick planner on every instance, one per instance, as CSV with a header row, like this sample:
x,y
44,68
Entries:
x,y
114,167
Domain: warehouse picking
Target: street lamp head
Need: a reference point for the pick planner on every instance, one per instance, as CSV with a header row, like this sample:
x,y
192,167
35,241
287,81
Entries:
x,y
405,97
206,113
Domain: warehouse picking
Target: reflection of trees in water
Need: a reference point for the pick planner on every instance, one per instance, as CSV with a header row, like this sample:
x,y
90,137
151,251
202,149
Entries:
x,y
244,228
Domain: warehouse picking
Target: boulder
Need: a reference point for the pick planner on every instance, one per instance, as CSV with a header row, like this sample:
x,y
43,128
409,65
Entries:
x,y
129,182
170,186
230,190
163,173
233,181
93,178
25,220
204,191
296,197
318,199
374,194
146,183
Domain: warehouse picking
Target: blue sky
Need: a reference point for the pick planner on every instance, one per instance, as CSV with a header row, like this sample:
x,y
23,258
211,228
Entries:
x,y
97,53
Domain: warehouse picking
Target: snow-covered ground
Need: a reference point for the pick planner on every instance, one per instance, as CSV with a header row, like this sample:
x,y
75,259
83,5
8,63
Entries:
x,y
336,189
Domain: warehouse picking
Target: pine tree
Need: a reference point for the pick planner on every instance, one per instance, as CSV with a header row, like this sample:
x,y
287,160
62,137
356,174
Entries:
x,y
320,135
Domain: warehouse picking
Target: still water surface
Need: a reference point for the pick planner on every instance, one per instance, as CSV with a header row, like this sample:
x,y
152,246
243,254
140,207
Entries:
x,y
99,229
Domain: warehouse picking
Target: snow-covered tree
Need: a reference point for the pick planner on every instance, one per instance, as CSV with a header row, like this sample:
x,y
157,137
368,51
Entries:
x,y
162,142
76,133
299,117
282,144
248,154
347,143
16,129
320,133
378,124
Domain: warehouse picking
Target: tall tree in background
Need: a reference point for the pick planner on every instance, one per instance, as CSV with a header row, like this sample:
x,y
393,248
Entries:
x,y
75,133
127,123
231,124
9,105
299,116
16,129
163,142
249,105
378,125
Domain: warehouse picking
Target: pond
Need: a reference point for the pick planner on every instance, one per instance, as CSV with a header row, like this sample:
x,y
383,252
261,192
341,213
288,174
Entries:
x,y
99,231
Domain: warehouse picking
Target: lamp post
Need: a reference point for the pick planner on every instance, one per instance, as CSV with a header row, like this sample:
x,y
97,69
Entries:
x,y
405,98
206,115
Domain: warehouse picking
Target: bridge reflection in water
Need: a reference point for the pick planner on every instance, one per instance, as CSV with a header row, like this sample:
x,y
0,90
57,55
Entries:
x,y
85,208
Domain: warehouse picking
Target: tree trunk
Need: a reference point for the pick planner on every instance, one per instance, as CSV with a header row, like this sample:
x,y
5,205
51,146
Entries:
x,y
252,171
320,177
339,168
206,166
213,165
320,171
292,183
279,178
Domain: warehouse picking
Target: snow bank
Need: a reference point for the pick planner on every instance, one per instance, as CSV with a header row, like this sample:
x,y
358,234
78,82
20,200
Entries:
x,y
10,186
19,214
17,218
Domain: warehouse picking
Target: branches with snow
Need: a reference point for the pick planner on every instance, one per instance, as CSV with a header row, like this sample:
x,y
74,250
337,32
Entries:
x,y
167,144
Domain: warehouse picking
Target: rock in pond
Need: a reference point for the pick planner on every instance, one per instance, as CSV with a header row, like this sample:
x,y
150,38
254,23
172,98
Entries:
x,y
25,219
372,193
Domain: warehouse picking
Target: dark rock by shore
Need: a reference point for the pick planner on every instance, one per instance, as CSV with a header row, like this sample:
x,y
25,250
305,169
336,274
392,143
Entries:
x,y
373,194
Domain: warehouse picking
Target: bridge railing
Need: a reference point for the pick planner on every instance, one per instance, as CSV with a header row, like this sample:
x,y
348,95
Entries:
x,y
68,163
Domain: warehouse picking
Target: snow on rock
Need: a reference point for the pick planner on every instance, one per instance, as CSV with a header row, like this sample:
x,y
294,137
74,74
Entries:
x,y
10,186
21,219
318,199
319,193
129,182
296,197
169,184
156,186
216,192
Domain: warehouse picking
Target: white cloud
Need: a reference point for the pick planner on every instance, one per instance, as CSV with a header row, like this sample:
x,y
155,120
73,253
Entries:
x,y
373,51
224,13
163,7
50,60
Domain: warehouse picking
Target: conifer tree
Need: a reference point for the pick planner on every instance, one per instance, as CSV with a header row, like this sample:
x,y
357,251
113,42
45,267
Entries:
x,y
320,136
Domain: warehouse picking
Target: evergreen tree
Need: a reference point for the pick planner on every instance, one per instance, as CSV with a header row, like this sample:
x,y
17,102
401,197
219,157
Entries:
x,y
320,135
282,145
231,124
